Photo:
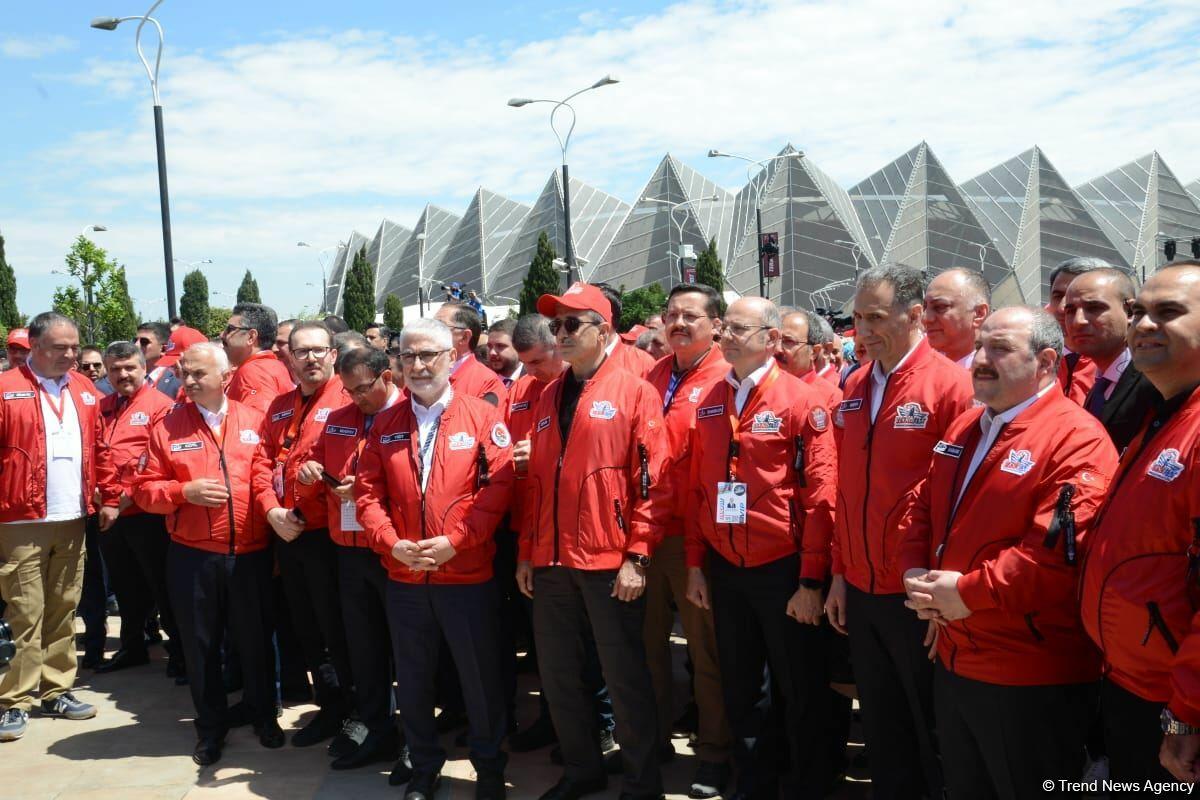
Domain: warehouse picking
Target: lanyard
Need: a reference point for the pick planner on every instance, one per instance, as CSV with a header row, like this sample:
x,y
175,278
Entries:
x,y
735,418
293,430
368,422
425,445
672,387
62,401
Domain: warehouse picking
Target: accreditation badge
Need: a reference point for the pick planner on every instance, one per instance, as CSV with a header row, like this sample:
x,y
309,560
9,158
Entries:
x,y
349,518
731,503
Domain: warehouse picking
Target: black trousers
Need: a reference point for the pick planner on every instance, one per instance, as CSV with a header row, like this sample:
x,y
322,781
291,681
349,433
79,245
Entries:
x,y
308,569
1004,741
512,613
420,615
895,688
755,633
1132,735
363,582
213,594
135,552
565,601
93,597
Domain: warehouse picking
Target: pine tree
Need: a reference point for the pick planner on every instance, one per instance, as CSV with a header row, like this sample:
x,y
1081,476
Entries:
x,y
193,305
542,277
9,317
248,291
358,297
710,272
641,303
393,313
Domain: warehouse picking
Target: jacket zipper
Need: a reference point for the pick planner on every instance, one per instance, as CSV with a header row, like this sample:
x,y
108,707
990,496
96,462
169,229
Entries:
x,y
1157,621
867,492
620,519
229,501
1037,635
562,453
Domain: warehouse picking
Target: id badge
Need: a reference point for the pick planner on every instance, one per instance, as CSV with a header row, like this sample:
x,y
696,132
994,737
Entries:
x,y
350,516
731,503
63,444
277,481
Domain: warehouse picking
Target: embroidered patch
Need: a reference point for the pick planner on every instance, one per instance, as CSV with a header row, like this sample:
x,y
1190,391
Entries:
x,y
179,447
694,397
765,422
388,438
19,395
521,406
850,405
461,441
282,415
910,416
322,414
838,419
249,436
88,398
139,418
602,409
947,449
500,435
710,411
340,430
1166,467
1018,462
819,418
543,423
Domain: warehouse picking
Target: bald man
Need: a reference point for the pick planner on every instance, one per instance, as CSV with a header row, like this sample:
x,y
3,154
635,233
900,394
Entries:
x,y
956,304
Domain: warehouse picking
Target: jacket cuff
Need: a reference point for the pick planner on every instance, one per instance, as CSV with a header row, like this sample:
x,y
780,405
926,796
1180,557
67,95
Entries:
x,y
814,565
176,494
457,538
694,553
973,590
1184,712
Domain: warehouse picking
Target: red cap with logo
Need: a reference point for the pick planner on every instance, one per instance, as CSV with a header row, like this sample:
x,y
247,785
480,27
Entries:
x,y
181,339
631,336
19,337
580,297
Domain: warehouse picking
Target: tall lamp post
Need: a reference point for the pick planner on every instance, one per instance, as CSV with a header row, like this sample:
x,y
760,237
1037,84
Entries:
x,y
110,24
563,143
679,222
325,287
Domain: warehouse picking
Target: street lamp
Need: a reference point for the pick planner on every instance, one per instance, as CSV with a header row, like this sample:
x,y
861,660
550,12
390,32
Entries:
x,y
325,287
94,228
563,143
421,273
678,223
110,24
855,250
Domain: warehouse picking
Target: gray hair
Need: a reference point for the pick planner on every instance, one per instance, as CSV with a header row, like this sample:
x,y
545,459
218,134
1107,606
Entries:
x,y
532,330
1077,266
47,320
214,351
1044,332
119,351
349,340
827,334
908,284
977,285
432,328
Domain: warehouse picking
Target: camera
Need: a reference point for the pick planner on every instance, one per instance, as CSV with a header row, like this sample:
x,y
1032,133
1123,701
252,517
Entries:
x,y
8,648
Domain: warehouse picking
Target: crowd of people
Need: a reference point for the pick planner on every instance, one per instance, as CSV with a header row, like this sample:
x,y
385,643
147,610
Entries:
x,y
981,523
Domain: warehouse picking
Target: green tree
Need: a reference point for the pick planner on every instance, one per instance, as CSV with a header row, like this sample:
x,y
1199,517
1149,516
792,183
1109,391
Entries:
x,y
100,304
248,291
9,317
393,313
542,277
710,271
116,319
218,318
193,306
641,303
358,297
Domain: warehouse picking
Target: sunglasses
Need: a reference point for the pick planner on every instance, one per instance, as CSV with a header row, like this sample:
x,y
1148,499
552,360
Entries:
x,y
144,342
570,324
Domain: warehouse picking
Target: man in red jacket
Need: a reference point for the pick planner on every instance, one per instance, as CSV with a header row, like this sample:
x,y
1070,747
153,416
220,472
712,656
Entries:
x,y
133,542
990,556
693,317
467,375
760,510
433,483
249,340
197,472
1076,373
307,556
799,349
895,409
48,423
1140,592
594,511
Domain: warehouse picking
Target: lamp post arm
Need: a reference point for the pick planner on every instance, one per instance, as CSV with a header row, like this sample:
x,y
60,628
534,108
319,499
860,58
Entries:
x,y
151,74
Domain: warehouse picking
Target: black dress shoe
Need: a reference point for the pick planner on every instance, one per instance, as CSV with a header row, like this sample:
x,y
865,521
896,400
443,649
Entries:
x,y
375,748
176,667
567,789
423,787
270,735
325,725
538,735
490,786
208,751
91,660
402,770
123,659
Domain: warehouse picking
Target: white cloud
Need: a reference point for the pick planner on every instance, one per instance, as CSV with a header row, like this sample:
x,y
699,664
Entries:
x,y
35,47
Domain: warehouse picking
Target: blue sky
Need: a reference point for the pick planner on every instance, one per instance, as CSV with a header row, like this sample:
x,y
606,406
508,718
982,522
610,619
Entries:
x,y
307,120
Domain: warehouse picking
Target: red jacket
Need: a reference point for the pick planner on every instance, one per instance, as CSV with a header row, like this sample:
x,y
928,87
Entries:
x,y
522,403
473,379
679,416
788,460
23,443
183,448
1138,601
831,395
1018,580
259,380
290,415
881,464
1076,381
467,494
632,360
124,436
601,495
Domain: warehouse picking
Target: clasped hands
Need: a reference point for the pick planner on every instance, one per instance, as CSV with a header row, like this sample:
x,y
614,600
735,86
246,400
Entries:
x,y
424,556
933,594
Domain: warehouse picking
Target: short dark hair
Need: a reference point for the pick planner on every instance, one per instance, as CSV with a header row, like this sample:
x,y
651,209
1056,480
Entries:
x,y
1077,266
310,325
262,319
908,284
384,330
335,324
176,320
120,350
505,326
91,348
47,320
161,330
714,303
467,317
374,360
813,319
614,301
531,330
340,340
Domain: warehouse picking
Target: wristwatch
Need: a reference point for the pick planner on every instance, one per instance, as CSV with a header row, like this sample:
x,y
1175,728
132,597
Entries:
x,y
1175,727
639,560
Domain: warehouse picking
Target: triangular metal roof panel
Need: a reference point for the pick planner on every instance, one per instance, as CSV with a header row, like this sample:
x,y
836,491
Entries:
x,y
345,260
1193,189
420,256
481,240
384,254
878,199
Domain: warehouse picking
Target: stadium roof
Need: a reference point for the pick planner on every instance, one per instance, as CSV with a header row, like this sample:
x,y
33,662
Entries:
x,y
480,241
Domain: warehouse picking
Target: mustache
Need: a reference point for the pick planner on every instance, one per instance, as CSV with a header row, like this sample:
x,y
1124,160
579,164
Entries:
x,y
984,372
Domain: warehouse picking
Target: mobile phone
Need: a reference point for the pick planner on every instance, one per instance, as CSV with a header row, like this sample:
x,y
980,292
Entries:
x,y
329,479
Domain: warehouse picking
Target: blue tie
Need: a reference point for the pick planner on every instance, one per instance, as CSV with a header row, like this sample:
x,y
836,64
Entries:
x,y
1095,399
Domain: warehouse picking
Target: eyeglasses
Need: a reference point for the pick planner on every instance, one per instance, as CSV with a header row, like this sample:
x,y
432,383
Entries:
x,y
144,342
788,343
318,353
687,319
236,328
570,324
426,356
738,331
361,391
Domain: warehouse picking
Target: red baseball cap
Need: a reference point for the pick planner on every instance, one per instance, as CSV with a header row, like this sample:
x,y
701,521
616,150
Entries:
x,y
631,336
580,297
181,339
19,337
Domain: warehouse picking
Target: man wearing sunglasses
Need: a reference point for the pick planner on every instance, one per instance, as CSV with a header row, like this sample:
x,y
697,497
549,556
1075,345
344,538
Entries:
x,y
249,339
467,375
152,338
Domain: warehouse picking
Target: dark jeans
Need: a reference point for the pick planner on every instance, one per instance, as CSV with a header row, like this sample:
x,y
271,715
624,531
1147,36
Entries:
x,y
363,582
135,551
420,614
214,594
1133,735
565,601
94,597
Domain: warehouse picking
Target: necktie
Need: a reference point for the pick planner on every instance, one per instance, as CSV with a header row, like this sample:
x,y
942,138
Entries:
x,y
1095,399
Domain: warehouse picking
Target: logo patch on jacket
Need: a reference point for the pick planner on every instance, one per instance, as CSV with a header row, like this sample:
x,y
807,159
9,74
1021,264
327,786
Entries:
x,y
543,423
19,395
340,430
1018,462
88,398
910,416
461,441
500,435
710,411
602,409
401,436
819,418
694,397
322,414
765,422
1166,467
947,449
249,436
521,406
282,415
180,447
139,418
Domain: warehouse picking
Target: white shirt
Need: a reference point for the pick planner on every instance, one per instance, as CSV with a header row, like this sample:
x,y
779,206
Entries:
x,y
454,367
426,419
967,361
64,451
214,419
608,348
745,387
991,425
511,379
1115,370
879,381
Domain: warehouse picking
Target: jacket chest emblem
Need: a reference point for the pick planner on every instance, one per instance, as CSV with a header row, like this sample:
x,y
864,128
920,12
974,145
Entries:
x,y
694,397
1018,462
88,398
461,441
248,436
765,422
910,416
500,435
139,418
602,409
322,414
1166,467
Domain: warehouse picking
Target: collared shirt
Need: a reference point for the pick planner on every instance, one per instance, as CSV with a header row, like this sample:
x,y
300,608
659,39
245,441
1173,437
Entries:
x,y
64,451
879,381
826,370
608,348
991,425
454,367
392,398
511,379
967,361
214,418
427,422
745,387
1115,370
